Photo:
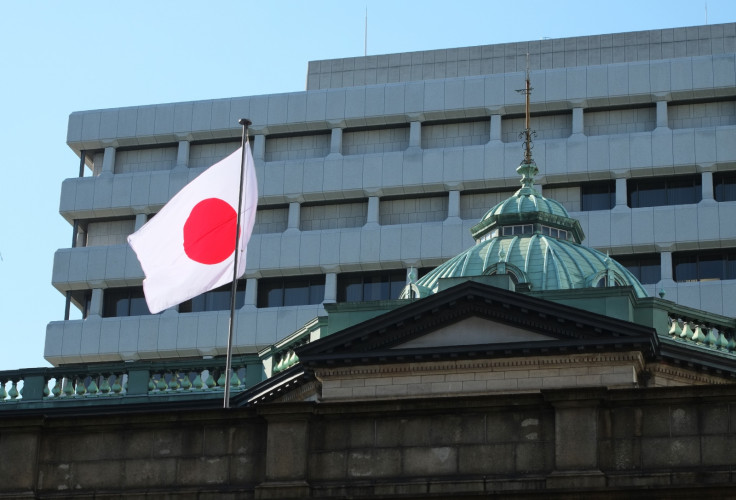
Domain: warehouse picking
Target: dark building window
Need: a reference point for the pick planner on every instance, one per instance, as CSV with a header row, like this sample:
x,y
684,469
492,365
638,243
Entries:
x,y
118,302
724,184
597,195
82,299
215,300
704,266
87,303
646,268
360,287
662,191
291,291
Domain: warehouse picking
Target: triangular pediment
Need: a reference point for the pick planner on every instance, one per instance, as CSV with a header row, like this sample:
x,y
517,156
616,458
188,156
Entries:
x,y
472,320
473,331
473,326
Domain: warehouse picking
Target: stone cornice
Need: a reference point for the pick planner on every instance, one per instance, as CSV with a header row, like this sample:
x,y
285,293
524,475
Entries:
x,y
684,375
634,358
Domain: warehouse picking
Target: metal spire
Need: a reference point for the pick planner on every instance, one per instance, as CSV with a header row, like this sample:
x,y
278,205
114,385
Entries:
x,y
528,132
527,169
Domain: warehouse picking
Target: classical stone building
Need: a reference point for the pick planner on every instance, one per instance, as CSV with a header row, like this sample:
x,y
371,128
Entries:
x,y
411,326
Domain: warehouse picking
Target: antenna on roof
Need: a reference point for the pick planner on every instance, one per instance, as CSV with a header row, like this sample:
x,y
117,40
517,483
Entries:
x,y
365,41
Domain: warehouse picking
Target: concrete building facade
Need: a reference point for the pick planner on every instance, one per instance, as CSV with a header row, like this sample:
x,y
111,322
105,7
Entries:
x,y
384,163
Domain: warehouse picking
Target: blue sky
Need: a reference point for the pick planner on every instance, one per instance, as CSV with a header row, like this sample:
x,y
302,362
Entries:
x,y
59,57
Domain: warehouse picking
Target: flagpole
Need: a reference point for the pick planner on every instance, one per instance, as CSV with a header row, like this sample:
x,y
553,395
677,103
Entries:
x,y
234,286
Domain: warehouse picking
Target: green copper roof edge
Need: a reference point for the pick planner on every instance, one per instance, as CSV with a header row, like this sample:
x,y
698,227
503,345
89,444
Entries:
x,y
692,314
697,345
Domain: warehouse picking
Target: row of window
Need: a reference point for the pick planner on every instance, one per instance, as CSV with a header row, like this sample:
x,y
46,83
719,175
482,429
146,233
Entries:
x,y
686,266
657,191
645,192
664,191
445,133
272,292
522,229
386,285
705,266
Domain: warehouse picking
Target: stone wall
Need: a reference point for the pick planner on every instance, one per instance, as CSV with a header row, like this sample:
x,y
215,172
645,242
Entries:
x,y
674,442
133,455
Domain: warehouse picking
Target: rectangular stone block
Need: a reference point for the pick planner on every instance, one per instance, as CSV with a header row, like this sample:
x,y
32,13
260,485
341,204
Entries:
x,y
374,463
18,467
670,452
486,459
430,461
146,473
325,466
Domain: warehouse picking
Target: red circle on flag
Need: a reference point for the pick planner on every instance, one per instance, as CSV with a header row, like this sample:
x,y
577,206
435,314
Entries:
x,y
209,232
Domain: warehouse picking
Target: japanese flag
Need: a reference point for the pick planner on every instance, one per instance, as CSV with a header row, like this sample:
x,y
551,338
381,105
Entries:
x,y
188,248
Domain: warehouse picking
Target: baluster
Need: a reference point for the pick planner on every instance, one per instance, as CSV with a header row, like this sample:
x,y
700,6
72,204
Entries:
x,y
687,332
722,341
80,389
711,339
3,394
234,379
161,383
675,328
105,385
210,380
698,335
221,380
56,390
93,389
151,384
46,390
186,384
198,384
13,392
731,346
116,387
68,387
174,382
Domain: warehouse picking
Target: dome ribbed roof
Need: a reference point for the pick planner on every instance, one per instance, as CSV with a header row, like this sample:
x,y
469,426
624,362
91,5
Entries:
x,y
536,241
543,262
524,201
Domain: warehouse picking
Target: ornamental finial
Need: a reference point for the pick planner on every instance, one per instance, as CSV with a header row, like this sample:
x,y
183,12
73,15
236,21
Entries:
x,y
528,169
528,133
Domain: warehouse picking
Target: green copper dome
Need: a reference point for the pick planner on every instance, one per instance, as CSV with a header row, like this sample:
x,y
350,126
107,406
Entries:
x,y
535,241
527,205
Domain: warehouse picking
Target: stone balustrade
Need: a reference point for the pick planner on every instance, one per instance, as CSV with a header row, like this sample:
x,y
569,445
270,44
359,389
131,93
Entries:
x,y
85,383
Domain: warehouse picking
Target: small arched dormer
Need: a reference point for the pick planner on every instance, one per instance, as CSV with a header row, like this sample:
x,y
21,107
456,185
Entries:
x,y
517,275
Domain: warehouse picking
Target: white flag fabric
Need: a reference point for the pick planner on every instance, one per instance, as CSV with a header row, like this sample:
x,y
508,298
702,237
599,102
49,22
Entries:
x,y
188,248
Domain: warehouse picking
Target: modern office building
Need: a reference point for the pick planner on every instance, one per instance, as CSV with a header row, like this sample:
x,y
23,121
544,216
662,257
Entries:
x,y
413,322
384,163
